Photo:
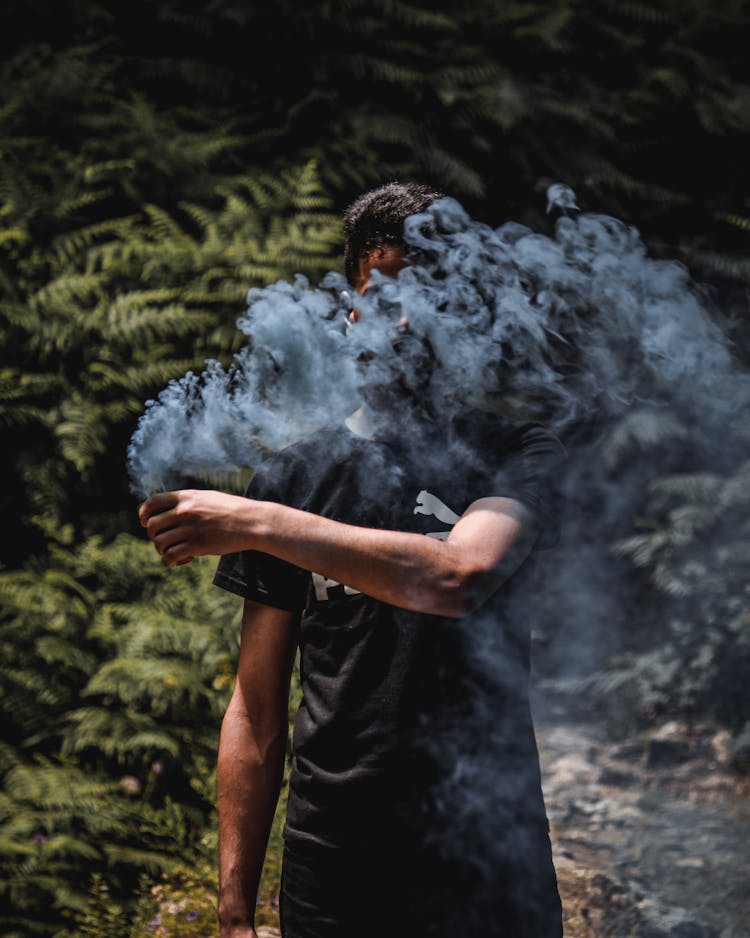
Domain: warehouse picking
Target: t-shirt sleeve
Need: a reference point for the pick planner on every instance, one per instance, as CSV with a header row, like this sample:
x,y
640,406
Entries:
x,y
531,470
258,576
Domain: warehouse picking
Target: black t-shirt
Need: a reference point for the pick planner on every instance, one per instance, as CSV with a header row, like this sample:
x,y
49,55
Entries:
x,y
386,691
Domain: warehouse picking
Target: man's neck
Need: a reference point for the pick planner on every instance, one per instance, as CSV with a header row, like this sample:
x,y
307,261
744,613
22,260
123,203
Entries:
x,y
405,421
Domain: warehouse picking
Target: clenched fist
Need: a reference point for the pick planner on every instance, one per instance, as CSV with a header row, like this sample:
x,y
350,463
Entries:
x,y
192,522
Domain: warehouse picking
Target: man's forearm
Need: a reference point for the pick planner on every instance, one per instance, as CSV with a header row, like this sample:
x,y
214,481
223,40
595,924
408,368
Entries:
x,y
248,783
404,569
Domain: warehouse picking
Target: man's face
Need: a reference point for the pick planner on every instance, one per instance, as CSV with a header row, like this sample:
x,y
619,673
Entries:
x,y
388,259
406,374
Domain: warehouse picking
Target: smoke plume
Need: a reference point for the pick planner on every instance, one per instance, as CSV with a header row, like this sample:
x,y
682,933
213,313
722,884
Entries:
x,y
561,328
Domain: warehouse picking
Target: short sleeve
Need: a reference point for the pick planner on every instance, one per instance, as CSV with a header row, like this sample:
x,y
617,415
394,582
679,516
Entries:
x,y
531,469
258,576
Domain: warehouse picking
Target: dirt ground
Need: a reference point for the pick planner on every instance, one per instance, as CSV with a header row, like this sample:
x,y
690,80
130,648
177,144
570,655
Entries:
x,y
651,836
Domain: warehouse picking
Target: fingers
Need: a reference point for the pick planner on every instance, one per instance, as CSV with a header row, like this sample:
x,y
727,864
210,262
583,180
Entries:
x,y
174,547
161,523
166,531
156,514
177,555
169,537
156,504
159,513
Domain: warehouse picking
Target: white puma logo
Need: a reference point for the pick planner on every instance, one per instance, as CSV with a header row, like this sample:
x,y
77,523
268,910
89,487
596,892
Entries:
x,y
429,504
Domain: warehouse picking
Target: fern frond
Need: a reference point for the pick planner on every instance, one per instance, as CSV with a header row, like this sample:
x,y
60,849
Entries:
x,y
117,734
69,205
82,432
732,218
164,683
607,175
154,862
702,487
640,430
736,266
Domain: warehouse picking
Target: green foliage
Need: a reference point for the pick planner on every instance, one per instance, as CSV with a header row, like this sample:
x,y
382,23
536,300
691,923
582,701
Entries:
x,y
130,725
101,918
127,785
488,101
58,821
182,902
127,244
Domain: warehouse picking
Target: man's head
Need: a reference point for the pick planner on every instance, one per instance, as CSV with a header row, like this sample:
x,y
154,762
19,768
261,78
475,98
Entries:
x,y
374,225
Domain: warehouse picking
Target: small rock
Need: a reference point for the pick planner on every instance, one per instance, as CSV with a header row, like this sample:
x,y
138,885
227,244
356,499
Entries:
x,y
664,753
569,768
631,749
667,747
671,730
721,747
612,776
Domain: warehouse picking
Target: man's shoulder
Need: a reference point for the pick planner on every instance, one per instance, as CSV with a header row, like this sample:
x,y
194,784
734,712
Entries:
x,y
494,442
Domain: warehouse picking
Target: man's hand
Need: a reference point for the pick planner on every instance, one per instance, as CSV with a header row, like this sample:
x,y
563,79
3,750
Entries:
x,y
192,522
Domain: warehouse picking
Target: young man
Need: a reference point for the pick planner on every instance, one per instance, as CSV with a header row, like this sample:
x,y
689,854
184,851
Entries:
x,y
328,549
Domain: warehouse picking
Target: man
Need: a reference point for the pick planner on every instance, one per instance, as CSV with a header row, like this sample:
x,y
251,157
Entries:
x,y
328,549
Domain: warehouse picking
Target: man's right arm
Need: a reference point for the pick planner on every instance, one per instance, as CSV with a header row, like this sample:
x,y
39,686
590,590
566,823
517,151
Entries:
x,y
251,760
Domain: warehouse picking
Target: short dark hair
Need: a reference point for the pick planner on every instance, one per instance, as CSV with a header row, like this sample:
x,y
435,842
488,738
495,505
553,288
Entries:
x,y
377,218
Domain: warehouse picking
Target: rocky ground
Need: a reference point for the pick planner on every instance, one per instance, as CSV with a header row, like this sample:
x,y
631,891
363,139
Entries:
x,y
651,836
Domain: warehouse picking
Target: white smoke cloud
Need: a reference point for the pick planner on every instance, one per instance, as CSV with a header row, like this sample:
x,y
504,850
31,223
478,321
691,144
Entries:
x,y
558,328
